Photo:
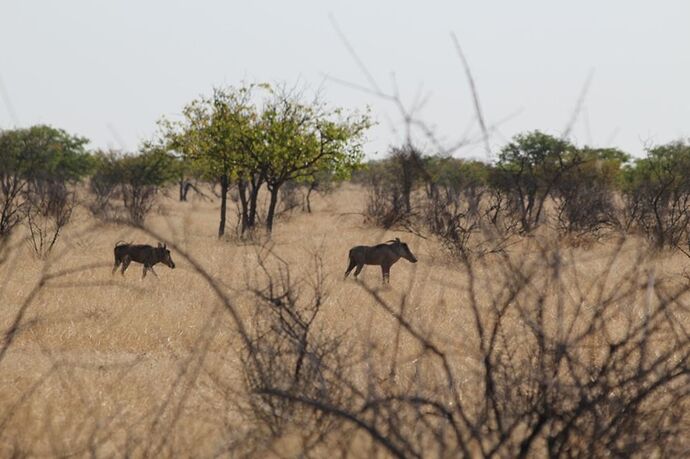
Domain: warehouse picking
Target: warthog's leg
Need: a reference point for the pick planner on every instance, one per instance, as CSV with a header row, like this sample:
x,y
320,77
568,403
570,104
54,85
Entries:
x,y
386,273
350,267
117,264
125,264
358,270
146,268
154,272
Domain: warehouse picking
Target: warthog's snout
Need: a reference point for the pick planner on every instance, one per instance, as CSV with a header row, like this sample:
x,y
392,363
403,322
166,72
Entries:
x,y
168,260
409,257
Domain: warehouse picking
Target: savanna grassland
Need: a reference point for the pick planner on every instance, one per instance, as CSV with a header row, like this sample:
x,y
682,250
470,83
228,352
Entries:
x,y
105,365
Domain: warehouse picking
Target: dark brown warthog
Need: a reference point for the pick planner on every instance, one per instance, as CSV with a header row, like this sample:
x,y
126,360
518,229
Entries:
x,y
384,255
141,253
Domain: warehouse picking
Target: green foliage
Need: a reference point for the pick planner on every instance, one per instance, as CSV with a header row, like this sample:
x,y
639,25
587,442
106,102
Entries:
x,y
135,178
36,164
300,140
218,134
657,193
255,135
527,170
106,171
535,157
151,167
43,152
664,168
457,173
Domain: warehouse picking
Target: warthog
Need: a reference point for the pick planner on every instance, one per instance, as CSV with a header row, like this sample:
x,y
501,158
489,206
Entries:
x,y
384,255
141,253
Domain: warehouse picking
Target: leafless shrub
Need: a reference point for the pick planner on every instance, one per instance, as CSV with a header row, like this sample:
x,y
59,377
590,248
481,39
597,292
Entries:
x,y
49,208
289,354
12,185
584,205
452,221
498,213
385,201
138,199
391,184
585,193
453,208
602,370
407,170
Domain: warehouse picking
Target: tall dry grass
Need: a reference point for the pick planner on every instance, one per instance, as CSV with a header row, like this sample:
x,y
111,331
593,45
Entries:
x,y
106,365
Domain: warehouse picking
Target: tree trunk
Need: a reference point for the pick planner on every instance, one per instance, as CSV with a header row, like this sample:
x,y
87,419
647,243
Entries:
x,y
224,186
272,207
307,199
185,185
256,183
242,188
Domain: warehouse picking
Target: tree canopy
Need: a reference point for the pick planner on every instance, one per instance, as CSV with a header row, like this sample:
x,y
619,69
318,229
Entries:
x,y
258,135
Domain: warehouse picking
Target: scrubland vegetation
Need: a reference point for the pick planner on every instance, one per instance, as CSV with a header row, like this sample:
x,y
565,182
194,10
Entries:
x,y
548,313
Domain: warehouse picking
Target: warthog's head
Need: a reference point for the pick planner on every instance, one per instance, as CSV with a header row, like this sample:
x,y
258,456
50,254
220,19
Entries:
x,y
164,256
403,250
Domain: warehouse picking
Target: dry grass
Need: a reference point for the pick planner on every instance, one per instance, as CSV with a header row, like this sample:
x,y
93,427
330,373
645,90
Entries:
x,y
115,366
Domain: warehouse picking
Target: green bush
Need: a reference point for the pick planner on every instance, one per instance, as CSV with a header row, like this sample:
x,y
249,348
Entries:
x,y
656,191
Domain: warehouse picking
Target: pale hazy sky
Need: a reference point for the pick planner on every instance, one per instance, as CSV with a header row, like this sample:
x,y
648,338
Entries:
x,y
109,70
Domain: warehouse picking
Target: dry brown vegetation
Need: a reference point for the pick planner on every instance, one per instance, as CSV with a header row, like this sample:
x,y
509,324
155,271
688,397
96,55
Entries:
x,y
260,348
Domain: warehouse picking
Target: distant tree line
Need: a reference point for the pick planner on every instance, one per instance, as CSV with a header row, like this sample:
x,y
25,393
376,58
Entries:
x,y
257,139
249,139
537,179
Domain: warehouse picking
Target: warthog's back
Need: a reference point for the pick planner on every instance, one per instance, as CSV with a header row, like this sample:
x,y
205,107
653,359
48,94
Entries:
x,y
141,253
372,255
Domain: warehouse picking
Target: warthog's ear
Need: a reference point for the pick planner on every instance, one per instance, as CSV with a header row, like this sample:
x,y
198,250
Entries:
x,y
397,239
160,246
165,246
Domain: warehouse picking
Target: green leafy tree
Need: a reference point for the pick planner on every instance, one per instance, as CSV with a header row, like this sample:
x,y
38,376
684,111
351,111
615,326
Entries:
x,y
36,165
218,135
527,171
656,190
236,135
302,139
